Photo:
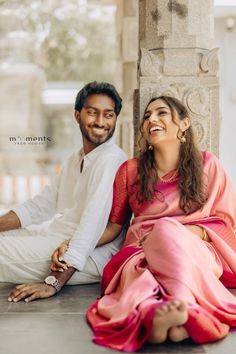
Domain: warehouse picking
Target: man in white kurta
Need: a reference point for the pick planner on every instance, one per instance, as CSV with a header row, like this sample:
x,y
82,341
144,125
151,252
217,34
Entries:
x,y
78,201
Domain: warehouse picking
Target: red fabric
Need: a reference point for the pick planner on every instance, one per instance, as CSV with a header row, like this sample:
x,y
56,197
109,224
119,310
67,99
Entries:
x,y
127,335
116,262
204,328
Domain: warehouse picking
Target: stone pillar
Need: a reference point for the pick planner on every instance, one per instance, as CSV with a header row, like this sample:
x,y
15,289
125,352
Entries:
x,y
126,73
178,58
22,139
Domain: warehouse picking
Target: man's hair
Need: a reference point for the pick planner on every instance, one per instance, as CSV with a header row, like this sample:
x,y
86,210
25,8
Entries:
x,y
101,88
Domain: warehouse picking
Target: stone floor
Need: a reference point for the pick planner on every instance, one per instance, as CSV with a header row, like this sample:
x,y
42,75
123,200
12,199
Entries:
x,y
58,325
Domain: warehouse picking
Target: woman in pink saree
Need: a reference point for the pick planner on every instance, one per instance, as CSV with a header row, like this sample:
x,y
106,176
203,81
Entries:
x,y
170,279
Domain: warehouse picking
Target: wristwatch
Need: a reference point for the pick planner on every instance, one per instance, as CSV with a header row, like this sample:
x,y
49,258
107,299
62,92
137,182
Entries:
x,y
53,281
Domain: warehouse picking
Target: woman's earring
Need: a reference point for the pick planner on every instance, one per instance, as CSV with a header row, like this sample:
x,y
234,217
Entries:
x,y
150,147
182,138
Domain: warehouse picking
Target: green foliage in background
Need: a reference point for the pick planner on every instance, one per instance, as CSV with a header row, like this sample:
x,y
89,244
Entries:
x,y
74,40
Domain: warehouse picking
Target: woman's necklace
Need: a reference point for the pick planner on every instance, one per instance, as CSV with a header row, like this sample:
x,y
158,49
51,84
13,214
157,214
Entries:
x,y
173,176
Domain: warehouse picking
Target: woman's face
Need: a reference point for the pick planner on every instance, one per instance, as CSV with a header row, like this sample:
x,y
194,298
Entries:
x,y
159,127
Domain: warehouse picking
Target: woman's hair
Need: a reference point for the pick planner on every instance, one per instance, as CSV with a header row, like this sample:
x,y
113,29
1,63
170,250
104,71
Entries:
x,y
190,170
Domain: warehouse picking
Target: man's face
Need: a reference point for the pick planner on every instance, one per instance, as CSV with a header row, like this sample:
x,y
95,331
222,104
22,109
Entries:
x,y
97,120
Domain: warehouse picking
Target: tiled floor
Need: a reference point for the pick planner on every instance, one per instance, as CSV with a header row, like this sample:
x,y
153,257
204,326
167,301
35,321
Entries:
x,y
57,326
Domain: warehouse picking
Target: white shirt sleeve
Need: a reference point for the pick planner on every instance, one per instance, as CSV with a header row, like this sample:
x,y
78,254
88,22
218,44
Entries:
x,y
40,208
96,213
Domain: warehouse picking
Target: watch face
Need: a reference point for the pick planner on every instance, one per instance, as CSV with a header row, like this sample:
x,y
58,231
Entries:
x,y
50,280
53,281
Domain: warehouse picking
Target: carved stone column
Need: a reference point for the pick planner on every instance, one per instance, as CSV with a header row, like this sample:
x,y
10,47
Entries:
x,y
126,73
177,58
22,140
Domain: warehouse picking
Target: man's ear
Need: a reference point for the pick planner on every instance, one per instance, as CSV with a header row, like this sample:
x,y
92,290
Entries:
x,y
185,124
77,116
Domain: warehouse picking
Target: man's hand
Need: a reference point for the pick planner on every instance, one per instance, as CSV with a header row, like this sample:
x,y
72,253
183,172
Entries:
x,y
58,265
30,292
9,221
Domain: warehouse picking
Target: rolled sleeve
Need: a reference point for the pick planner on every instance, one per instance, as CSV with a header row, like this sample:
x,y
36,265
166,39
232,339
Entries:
x,y
23,214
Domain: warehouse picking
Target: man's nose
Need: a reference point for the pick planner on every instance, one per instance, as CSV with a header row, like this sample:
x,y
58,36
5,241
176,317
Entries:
x,y
99,119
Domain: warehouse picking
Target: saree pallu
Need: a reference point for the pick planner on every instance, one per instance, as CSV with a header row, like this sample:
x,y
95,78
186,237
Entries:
x,y
171,263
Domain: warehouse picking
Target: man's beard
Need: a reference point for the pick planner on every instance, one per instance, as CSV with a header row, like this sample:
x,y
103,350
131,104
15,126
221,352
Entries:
x,y
95,139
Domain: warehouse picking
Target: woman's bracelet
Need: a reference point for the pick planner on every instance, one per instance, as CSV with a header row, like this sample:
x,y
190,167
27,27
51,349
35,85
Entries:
x,y
205,235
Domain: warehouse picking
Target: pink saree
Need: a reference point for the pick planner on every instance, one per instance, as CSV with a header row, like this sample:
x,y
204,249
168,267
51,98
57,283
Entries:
x,y
163,260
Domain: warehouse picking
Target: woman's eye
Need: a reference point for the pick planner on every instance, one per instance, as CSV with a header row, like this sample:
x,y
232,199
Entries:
x,y
146,117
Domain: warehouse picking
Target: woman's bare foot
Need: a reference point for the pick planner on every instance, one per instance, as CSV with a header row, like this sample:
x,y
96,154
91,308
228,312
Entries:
x,y
177,334
170,315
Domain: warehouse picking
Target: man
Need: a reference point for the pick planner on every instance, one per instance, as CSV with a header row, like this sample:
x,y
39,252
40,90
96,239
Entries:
x,y
79,200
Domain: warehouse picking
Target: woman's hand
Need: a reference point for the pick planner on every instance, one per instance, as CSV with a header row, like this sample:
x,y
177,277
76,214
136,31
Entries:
x,y
58,265
199,231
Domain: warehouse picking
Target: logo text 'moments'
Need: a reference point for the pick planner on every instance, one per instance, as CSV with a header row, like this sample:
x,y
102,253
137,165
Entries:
x,y
29,138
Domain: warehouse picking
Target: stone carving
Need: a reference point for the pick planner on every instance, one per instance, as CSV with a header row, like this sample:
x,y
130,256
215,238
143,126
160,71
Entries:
x,y
177,91
181,10
156,15
149,64
197,100
209,63
200,132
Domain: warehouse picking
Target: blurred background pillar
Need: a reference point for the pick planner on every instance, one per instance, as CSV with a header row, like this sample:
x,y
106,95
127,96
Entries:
x,y
126,69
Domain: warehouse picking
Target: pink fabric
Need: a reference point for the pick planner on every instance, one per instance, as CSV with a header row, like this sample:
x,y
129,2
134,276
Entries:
x,y
172,262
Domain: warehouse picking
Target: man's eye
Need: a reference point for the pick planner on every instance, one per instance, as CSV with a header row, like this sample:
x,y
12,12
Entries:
x,y
161,113
92,113
109,115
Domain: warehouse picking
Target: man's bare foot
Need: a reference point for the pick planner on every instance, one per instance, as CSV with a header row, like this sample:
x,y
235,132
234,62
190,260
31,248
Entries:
x,y
177,334
170,315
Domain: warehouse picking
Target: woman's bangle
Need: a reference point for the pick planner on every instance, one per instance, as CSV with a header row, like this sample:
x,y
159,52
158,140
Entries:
x,y
205,235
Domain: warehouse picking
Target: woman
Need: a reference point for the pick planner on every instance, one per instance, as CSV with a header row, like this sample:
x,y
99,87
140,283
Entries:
x,y
169,280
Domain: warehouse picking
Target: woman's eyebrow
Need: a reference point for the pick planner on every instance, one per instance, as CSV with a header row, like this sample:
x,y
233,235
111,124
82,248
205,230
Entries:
x,y
156,109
